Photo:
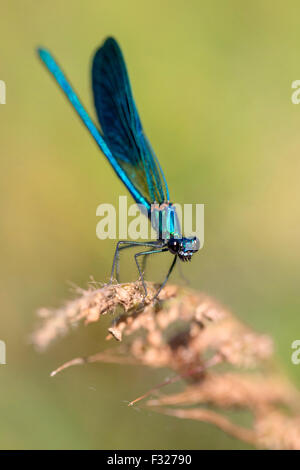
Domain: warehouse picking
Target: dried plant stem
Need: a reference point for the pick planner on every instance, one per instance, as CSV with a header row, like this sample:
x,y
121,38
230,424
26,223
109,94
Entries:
x,y
180,333
209,416
216,359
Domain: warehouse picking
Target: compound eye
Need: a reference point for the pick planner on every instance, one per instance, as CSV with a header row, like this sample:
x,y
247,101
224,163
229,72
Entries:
x,y
173,246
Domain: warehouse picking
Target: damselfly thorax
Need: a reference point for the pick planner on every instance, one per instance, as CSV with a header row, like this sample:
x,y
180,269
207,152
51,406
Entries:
x,y
165,221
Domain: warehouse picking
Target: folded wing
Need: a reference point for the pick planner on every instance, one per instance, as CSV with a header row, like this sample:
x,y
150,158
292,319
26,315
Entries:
x,y
121,125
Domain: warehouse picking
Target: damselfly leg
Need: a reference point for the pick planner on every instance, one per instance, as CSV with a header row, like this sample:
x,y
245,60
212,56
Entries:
x,y
166,278
123,244
147,253
157,247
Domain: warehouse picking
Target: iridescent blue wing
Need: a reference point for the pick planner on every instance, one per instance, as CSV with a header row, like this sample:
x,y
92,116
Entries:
x,y
65,85
121,125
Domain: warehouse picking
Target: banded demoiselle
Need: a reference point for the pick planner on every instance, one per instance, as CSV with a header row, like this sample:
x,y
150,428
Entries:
x,y
126,147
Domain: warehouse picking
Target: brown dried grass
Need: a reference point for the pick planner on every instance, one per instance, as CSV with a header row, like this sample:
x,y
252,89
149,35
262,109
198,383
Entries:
x,y
223,364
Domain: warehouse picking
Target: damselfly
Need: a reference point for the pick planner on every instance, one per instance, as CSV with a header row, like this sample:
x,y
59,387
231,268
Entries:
x,y
125,145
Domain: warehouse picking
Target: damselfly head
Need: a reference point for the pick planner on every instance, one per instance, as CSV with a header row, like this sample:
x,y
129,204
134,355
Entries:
x,y
183,247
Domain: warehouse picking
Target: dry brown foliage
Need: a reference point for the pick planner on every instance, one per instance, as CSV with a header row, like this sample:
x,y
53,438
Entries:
x,y
222,363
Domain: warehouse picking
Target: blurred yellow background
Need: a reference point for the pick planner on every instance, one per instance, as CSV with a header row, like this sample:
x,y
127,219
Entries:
x,y
212,82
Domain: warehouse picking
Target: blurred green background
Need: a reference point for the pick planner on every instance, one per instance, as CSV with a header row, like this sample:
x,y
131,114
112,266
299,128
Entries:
x,y
212,81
